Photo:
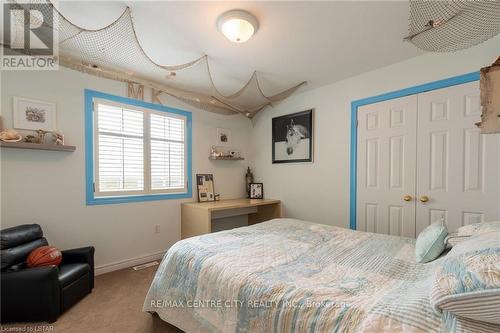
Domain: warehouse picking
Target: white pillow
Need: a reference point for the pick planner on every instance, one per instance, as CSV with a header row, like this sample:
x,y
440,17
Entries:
x,y
453,239
467,282
478,228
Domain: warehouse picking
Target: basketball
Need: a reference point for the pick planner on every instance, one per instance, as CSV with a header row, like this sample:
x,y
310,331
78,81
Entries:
x,y
44,256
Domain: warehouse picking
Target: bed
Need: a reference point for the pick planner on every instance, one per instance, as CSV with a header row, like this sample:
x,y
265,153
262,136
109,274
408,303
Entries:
x,y
287,275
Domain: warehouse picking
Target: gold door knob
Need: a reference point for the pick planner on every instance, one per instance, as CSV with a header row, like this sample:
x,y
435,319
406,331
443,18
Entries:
x,y
424,198
407,197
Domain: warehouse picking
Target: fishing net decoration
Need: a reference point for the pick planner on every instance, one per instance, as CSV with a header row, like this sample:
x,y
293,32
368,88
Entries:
x,y
114,52
445,26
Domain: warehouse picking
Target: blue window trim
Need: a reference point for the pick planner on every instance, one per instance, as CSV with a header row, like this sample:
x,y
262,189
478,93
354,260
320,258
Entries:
x,y
452,81
89,149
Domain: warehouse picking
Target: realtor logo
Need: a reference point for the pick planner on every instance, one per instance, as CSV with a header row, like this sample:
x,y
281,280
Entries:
x,y
30,40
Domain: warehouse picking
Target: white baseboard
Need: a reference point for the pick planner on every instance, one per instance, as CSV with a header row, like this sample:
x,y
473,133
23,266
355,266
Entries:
x,y
114,266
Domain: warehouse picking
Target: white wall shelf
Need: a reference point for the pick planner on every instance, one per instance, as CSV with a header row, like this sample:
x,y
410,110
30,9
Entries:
x,y
36,146
225,158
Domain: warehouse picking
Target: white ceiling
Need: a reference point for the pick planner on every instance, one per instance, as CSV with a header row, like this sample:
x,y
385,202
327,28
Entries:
x,y
320,42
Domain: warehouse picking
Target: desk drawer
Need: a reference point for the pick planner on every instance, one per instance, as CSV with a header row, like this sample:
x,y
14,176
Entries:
x,y
219,214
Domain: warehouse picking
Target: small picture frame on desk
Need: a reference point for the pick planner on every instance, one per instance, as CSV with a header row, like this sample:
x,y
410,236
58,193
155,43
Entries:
x,y
205,187
256,191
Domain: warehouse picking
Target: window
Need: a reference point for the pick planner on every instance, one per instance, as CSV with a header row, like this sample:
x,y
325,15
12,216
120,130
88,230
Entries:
x,y
136,151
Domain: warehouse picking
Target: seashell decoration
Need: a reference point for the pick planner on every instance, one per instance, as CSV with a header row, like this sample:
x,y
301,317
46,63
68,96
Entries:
x,y
58,138
10,135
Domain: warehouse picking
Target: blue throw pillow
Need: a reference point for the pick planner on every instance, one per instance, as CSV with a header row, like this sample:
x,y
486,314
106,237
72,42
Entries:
x,y
430,242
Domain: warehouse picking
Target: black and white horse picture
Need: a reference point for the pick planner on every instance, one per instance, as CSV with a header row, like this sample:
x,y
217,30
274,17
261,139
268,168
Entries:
x,y
294,133
292,138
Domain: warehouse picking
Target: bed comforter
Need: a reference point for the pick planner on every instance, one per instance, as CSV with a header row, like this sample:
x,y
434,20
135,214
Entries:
x,y
287,275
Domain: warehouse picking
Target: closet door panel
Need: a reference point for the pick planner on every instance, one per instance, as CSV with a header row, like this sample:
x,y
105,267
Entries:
x,y
386,167
455,163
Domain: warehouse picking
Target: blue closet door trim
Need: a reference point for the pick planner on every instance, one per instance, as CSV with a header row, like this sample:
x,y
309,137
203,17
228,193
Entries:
x,y
452,81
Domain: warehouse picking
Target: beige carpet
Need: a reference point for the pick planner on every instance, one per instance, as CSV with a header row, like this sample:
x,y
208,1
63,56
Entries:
x,y
114,306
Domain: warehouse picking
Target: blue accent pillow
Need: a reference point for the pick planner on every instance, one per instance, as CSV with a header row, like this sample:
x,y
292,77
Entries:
x,y
430,242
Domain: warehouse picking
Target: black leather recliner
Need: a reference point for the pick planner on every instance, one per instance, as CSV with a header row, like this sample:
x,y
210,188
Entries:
x,y
40,293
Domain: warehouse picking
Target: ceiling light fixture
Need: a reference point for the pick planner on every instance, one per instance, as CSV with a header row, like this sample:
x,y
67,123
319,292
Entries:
x,y
237,25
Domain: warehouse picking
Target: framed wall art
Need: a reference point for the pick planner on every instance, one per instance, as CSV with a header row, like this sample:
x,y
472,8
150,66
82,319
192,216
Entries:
x,y
292,137
32,114
256,191
205,187
223,137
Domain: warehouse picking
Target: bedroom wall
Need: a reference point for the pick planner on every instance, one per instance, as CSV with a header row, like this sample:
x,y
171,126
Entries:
x,y
319,191
49,187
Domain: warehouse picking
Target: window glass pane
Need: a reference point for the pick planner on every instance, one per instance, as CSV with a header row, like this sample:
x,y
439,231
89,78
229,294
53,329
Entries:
x,y
167,128
133,164
160,168
120,121
177,164
121,164
133,122
176,129
109,118
167,165
167,158
110,163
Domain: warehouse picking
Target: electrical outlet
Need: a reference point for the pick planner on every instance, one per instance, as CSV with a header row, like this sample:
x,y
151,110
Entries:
x,y
157,229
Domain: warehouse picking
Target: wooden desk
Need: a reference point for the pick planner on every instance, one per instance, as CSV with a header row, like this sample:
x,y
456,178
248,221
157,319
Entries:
x,y
196,217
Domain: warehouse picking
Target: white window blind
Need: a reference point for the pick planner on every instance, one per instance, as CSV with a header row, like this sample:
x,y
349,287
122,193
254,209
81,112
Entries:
x,y
167,152
138,151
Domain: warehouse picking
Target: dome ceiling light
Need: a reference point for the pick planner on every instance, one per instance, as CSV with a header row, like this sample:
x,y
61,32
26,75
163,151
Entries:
x,y
237,25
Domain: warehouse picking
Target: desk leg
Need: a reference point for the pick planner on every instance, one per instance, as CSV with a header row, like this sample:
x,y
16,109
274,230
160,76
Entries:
x,y
195,222
265,213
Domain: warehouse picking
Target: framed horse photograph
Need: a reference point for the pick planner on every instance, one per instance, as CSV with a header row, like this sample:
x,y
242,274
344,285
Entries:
x,y
293,137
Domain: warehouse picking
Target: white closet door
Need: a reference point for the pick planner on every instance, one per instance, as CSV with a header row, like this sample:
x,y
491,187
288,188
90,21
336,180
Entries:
x,y
386,166
457,168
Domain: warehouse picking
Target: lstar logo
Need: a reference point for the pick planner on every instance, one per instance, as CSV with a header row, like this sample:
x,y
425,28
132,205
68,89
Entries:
x,y
29,37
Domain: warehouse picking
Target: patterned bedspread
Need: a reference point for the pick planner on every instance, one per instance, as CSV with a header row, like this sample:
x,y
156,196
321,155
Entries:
x,y
288,275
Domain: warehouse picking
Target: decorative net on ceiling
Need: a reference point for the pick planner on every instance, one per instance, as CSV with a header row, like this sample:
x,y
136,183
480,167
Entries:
x,y
444,26
115,52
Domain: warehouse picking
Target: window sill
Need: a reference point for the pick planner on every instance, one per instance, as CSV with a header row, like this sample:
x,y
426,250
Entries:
x,y
135,198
